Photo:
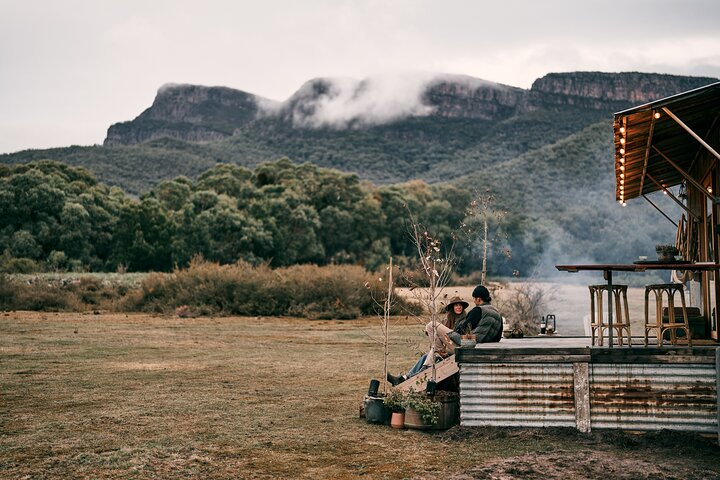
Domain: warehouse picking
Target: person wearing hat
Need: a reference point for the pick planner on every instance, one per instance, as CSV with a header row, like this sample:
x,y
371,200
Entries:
x,y
455,312
484,321
442,344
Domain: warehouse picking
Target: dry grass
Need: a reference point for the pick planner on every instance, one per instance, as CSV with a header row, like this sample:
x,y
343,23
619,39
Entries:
x,y
137,396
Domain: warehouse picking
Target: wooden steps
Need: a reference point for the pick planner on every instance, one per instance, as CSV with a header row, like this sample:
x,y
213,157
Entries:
x,y
443,369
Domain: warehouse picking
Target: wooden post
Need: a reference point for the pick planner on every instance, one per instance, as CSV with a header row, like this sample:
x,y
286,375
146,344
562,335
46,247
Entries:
x,y
581,385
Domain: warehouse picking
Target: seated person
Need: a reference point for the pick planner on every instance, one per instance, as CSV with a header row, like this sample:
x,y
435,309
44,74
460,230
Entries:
x,y
484,321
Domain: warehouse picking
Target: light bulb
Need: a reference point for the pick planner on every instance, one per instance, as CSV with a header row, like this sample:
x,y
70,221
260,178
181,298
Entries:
x,y
622,151
622,129
657,114
622,141
622,175
622,160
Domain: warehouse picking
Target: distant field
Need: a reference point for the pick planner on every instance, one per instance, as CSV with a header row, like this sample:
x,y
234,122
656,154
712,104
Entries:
x,y
145,397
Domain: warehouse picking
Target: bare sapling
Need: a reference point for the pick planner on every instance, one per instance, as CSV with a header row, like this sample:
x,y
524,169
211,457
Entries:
x,y
436,267
483,222
383,308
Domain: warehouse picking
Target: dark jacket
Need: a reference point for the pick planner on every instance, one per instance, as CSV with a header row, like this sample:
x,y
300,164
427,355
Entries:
x,y
485,322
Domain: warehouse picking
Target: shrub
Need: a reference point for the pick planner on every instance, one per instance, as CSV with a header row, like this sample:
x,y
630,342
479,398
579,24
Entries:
x,y
10,264
35,295
524,303
309,291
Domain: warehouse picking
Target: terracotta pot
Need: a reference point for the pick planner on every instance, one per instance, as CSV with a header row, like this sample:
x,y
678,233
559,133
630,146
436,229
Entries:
x,y
397,420
414,421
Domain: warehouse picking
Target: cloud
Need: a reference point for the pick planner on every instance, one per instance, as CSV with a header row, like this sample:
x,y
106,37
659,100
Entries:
x,y
343,102
349,103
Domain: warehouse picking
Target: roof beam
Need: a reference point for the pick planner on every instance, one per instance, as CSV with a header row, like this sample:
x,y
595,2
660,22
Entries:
x,y
689,130
658,209
682,172
699,150
668,192
647,153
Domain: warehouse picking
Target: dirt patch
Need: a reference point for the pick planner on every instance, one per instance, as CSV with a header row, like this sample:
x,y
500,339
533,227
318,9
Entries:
x,y
603,454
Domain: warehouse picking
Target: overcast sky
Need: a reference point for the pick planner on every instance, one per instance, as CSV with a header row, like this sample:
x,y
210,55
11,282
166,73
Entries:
x,y
71,68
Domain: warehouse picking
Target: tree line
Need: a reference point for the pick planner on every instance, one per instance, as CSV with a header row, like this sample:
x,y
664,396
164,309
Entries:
x,y
58,217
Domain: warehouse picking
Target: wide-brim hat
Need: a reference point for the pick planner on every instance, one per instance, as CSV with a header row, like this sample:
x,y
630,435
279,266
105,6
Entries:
x,y
455,300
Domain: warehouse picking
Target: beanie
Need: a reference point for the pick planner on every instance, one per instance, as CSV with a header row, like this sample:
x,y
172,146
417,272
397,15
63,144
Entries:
x,y
482,293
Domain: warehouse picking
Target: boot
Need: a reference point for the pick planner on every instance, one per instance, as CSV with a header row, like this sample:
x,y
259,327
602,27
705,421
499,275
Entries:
x,y
394,381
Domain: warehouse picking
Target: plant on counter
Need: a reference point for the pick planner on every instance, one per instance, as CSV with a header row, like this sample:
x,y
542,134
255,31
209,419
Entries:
x,y
666,252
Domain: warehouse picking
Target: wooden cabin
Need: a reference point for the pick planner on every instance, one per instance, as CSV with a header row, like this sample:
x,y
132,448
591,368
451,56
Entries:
x,y
675,142
555,381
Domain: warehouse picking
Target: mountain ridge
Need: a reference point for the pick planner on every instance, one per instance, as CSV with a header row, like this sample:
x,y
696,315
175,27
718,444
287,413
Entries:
x,y
197,113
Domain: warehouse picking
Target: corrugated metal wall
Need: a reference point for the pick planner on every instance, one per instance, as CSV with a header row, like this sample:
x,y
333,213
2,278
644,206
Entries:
x,y
517,394
638,396
653,397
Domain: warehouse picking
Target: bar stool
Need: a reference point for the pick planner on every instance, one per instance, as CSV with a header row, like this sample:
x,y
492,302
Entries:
x,y
666,290
621,317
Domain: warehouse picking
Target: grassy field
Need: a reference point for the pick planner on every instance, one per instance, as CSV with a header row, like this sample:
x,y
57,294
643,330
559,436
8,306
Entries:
x,y
137,396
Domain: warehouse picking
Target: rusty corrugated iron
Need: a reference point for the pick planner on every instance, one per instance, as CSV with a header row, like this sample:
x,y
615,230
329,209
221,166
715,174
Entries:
x,y
654,397
518,394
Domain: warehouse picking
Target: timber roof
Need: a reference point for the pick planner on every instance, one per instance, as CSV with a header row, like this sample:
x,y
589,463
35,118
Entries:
x,y
651,136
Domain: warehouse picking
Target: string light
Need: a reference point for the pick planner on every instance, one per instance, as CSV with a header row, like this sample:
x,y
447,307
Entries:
x,y
622,141
622,151
657,114
622,129
622,160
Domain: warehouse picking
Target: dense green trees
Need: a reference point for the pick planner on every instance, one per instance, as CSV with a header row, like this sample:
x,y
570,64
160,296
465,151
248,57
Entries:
x,y
281,214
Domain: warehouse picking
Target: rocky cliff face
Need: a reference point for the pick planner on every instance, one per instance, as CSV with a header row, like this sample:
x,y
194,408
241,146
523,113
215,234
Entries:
x,y
189,112
598,88
473,98
197,113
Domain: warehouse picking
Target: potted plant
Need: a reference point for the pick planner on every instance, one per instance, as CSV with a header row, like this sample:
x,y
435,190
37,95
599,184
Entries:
x,y
666,253
395,400
421,412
